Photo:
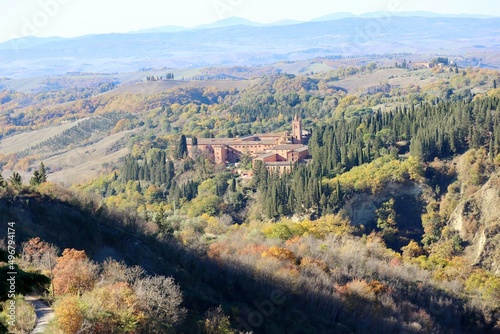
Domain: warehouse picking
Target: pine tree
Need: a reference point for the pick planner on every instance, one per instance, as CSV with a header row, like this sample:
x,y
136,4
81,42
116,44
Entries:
x,y
35,179
16,179
39,176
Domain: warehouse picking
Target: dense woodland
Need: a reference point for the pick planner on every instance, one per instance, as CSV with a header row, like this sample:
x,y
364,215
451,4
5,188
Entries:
x,y
271,253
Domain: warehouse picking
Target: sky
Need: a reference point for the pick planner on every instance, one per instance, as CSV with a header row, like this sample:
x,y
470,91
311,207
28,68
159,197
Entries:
x,y
70,18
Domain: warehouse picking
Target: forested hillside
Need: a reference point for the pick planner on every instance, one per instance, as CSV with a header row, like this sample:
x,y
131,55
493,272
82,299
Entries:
x,y
392,226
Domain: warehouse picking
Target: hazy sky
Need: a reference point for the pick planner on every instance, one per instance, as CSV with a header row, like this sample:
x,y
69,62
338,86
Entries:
x,y
70,18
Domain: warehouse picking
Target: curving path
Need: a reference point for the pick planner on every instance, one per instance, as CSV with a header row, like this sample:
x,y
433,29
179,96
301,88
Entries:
x,y
43,313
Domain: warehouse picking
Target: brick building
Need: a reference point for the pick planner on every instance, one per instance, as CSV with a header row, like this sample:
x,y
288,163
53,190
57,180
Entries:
x,y
285,148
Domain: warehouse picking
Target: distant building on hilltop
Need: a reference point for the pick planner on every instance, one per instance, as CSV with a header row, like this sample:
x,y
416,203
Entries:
x,y
279,151
420,65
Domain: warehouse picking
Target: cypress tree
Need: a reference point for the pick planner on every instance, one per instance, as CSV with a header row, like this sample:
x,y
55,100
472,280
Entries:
x,y
491,150
147,174
339,191
182,148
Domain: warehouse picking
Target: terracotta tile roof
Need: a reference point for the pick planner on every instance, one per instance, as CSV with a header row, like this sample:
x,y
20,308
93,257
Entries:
x,y
279,163
215,141
301,149
277,135
290,147
267,155
260,142
232,142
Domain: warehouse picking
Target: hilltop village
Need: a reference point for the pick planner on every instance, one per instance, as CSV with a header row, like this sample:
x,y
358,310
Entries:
x,y
279,151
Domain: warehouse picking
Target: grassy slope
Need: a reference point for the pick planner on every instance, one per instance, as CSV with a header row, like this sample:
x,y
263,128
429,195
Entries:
x,y
85,163
25,140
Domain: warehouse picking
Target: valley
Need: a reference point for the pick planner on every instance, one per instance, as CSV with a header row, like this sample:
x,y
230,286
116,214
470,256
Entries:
x,y
137,170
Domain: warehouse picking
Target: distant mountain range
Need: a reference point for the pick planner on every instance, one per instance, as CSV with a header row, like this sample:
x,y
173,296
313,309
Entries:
x,y
233,21
236,41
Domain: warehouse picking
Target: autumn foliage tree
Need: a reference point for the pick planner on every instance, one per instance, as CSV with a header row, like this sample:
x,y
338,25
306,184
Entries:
x,y
74,273
412,250
112,309
216,322
68,314
39,254
118,300
279,253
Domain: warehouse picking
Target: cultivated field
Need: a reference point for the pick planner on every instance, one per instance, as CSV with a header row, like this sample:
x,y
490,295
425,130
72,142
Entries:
x,y
85,163
26,140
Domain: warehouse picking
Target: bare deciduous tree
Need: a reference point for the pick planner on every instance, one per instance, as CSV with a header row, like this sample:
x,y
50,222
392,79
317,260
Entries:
x,y
39,254
115,272
161,299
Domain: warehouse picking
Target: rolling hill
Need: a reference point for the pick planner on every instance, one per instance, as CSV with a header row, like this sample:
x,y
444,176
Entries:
x,y
236,42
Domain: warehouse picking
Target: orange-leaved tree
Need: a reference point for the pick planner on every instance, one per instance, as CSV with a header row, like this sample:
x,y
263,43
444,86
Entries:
x,y
39,254
74,273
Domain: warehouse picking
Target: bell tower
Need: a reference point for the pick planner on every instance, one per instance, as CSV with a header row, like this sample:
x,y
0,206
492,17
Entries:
x,y
297,130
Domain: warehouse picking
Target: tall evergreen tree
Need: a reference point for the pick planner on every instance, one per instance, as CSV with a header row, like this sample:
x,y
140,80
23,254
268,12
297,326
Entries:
x,y
182,148
43,173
